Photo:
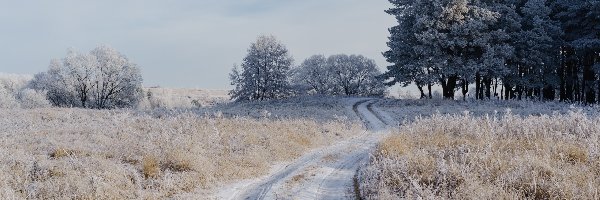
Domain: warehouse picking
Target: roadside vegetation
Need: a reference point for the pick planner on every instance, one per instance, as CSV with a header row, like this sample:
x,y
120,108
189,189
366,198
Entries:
x,y
488,157
100,154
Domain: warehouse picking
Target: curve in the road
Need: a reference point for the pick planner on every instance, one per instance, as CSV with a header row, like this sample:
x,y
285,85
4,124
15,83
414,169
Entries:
x,y
333,180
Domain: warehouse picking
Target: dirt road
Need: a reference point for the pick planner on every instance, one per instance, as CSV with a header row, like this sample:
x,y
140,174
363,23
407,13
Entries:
x,y
326,173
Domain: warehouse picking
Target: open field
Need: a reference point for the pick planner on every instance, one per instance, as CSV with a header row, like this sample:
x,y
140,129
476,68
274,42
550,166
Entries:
x,y
468,157
303,147
89,154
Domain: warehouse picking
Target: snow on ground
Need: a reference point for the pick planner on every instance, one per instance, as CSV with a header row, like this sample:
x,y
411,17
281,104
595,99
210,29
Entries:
x,y
325,173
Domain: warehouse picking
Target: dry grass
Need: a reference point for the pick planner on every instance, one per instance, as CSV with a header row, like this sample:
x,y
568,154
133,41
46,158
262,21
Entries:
x,y
150,167
88,154
465,157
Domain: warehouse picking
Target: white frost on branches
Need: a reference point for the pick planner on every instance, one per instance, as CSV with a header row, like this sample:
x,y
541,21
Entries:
x,y
264,72
102,79
351,75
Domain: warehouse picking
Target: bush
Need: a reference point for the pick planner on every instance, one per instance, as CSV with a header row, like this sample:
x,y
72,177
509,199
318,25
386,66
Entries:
x,y
29,98
14,94
7,99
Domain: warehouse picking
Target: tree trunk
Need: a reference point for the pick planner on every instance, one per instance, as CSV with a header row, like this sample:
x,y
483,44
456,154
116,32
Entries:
x,y
519,92
429,90
502,92
465,89
588,79
478,95
561,76
448,86
507,89
496,88
488,86
549,93
421,90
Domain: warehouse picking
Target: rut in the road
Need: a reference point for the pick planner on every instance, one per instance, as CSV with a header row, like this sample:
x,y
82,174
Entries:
x,y
326,173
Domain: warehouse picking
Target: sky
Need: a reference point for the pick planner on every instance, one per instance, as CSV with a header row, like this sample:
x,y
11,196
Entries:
x,y
187,43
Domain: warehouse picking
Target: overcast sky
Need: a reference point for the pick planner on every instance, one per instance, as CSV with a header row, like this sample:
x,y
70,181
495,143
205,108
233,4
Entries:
x,y
187,43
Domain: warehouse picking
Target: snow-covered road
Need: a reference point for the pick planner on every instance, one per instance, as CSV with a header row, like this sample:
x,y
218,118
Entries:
x,y
325,173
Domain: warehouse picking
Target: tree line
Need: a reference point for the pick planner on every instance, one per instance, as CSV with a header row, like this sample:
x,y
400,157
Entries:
x,y
267,73
105,79
507,49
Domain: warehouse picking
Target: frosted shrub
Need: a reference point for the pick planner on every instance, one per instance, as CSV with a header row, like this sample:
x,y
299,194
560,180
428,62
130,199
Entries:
x,y
14,82
10,85
465,157
7,99
30,98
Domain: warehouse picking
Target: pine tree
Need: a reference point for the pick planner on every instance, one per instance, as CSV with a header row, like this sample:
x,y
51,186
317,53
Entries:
x,y
408,66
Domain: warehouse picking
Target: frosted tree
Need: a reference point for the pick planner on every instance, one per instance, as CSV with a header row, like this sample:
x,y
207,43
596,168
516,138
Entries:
x,y
101,79
355,75
264,74
581,53
532,47
453,41
535,56
58,85
405,69
315,75
117,81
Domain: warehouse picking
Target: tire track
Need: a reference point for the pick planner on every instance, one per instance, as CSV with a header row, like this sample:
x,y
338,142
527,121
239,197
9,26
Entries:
x,y
376,114
333,180
357,113
348,168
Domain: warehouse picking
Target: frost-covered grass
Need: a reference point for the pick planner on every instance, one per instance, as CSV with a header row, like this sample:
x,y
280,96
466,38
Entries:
x,y
181,98
406,110
320,108
488,157
90,154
